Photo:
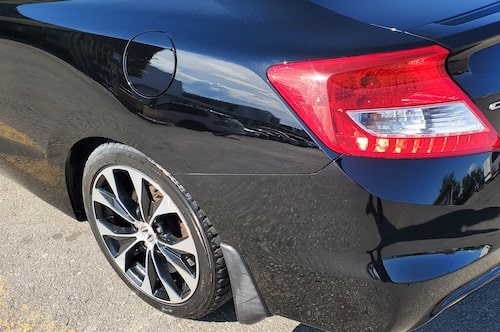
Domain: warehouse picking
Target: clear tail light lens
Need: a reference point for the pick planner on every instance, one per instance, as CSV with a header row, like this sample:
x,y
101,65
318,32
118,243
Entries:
x,y
389,105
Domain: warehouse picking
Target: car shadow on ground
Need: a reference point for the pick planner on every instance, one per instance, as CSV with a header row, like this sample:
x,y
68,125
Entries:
x,y
305,328
226,313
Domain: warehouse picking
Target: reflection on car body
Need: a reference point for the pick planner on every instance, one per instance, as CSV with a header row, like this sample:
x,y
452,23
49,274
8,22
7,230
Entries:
x,y
190,117
342,172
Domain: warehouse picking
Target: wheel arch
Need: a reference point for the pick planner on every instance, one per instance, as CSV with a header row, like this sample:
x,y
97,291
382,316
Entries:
x,y
75,163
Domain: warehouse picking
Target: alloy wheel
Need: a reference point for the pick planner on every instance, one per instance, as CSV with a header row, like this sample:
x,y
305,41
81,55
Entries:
x,y
145,234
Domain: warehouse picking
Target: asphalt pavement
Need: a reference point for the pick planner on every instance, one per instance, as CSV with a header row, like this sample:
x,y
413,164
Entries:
x,y
54,278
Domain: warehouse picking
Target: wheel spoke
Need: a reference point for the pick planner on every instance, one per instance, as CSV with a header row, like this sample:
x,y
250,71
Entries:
x,y
185,246
110,179
143,199
165,206
107,229
107,199
149,273
181,267
121,256
166,280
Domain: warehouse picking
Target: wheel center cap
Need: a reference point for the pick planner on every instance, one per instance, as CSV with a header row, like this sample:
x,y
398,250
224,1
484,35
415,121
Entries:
x,y
147,234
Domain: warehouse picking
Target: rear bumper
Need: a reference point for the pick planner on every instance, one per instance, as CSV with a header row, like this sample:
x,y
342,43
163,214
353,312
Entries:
x,y
362,243
465,290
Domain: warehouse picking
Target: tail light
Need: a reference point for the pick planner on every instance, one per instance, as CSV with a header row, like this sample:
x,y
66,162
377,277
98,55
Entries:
x,y
389,105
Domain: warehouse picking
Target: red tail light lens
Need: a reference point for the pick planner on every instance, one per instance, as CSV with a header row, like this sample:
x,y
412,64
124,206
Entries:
x,y
389,105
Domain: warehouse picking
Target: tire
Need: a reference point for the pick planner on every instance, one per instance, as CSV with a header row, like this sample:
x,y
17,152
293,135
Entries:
x,y
153,233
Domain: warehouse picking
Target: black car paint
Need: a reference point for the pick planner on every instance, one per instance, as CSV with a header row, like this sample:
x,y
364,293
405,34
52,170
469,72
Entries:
x,y
411,14
311,224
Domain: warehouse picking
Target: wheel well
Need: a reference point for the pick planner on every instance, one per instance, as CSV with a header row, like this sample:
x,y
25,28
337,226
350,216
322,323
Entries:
x,y
75,163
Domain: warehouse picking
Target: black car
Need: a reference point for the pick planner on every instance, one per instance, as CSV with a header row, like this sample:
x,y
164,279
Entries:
x,y
335,162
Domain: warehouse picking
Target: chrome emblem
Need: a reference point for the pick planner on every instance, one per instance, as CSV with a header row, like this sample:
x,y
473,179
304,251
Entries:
x,y
494,106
